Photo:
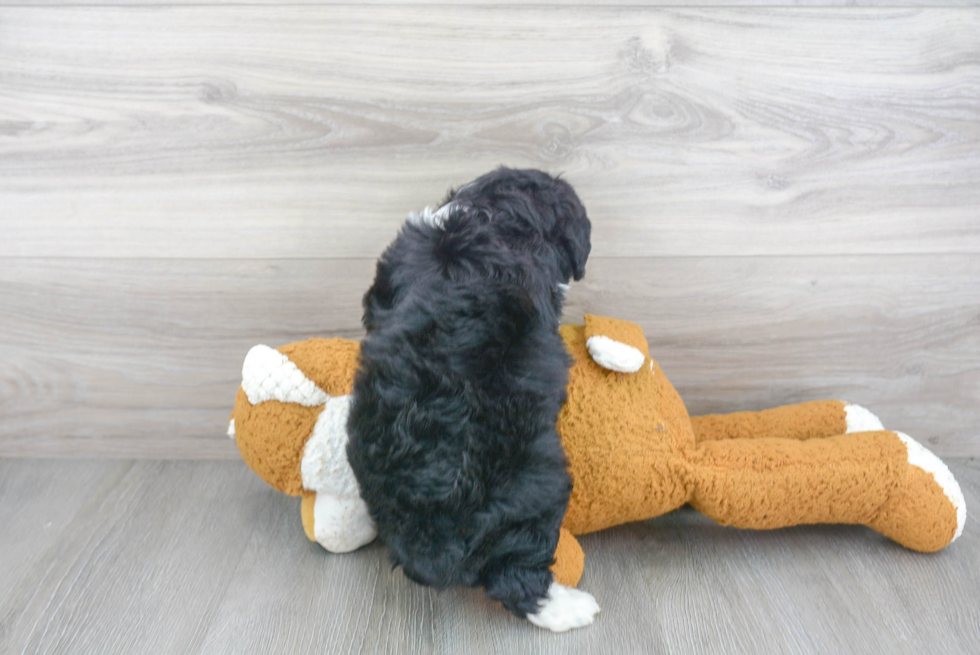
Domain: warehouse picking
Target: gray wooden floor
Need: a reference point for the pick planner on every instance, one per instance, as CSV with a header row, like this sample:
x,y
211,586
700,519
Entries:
x,y
202,557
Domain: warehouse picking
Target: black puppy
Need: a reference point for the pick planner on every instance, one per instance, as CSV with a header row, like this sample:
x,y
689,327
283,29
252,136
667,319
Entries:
x,y
462,375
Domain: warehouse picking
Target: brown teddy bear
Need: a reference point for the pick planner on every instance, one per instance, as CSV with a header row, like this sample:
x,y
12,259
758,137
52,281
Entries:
x,y
633,451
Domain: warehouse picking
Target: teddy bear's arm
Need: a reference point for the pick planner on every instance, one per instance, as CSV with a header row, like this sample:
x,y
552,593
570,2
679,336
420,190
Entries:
x,y
615,344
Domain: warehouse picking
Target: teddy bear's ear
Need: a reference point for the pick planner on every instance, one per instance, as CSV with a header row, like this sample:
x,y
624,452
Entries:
x,y
267,374
615,344
330,363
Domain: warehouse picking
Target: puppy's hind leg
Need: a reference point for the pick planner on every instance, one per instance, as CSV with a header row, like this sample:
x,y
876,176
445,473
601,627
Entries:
x,y
533,594
564,608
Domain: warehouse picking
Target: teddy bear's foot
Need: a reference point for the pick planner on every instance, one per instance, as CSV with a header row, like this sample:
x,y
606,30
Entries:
x,y
565,608
860,419
928,511
338,523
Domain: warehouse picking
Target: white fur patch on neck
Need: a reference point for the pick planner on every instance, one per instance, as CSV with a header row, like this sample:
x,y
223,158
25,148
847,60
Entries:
x,y
614,355
341,521
922,457
324,466
431,218
267,374
565,608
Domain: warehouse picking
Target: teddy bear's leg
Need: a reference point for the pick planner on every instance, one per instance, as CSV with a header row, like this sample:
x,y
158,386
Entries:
x,y
879,479
817,419
920,517
569,560
339,524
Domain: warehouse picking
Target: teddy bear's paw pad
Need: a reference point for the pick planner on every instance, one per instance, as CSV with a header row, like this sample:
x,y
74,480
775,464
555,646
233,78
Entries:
x,y
565,608
861,420
267,374
923,458
342,524
925,511
614,355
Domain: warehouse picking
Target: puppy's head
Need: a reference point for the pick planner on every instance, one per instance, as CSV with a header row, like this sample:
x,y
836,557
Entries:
x,y
528,207
430,552
522,226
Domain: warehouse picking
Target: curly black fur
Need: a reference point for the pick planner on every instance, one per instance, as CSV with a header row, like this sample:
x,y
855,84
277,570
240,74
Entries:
x,y
462,375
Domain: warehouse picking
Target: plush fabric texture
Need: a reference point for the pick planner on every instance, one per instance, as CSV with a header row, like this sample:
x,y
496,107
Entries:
x,y
625,436
624,332
324,466
569,560
921,514
267,374
772,483
330,363
804,421
271,437
306,513
634,453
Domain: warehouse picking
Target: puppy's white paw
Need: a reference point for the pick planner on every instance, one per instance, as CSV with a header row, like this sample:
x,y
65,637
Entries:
x,y
565,608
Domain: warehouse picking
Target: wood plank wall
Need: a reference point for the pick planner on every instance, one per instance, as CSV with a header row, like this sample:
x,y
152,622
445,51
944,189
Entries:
x,y
787,199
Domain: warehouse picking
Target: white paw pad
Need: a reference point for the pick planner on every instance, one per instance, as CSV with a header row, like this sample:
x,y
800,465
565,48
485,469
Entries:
x,y
861,420
342,524
924,458
564,608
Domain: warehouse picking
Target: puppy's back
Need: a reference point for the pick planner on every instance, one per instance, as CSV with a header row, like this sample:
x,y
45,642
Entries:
x,y
461,378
